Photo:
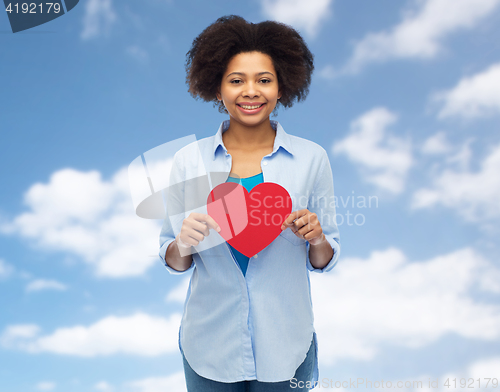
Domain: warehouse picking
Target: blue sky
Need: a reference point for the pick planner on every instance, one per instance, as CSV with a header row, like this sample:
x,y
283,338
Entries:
x,y
406,100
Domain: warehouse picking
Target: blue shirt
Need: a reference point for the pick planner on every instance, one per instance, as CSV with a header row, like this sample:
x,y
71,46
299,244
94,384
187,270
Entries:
x,y
248,183
258,327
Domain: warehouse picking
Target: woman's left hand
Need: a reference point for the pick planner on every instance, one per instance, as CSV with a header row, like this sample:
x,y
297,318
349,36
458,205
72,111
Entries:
x,y
305,225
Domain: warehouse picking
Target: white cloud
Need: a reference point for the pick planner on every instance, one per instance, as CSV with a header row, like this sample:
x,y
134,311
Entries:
x,y
387,299
84,215
5,269
383,159
328,72
178,293
139,334
174,383
473,194
421,32
45,386
485,368
448,154
436,144
45,284
473,97
138,53
462,155
104,386
306,15
15,333
98,18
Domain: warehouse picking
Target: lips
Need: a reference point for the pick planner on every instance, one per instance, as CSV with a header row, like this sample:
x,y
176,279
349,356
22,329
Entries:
x,y
250,105
251,108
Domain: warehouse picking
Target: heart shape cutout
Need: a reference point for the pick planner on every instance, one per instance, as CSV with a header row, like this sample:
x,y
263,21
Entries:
x,y
249,221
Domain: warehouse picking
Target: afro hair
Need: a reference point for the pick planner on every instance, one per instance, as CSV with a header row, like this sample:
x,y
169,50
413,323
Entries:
x,y
212,50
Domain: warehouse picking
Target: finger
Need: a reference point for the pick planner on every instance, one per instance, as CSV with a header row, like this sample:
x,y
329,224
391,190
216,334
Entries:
x,y
300,223
290,218
212,223
306,230
205,218
187,240
199,226
294,215
181,243
309,219
190,233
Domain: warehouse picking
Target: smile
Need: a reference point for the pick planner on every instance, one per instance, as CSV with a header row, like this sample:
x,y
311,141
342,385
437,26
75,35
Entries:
x,y
251,107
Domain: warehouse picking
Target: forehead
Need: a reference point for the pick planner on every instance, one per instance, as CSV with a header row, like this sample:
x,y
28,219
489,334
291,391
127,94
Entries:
x,y
250,63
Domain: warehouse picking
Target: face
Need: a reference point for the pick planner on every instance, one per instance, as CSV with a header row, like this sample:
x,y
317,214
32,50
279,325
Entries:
x,y
249,88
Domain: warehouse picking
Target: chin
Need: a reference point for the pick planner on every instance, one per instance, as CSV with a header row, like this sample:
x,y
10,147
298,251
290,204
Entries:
x,y
252,123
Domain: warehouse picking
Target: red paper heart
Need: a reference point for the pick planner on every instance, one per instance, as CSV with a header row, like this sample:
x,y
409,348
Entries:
x,y
249,221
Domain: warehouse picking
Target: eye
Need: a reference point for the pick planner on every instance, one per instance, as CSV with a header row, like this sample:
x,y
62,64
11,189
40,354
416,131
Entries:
x,y
265,81
235,81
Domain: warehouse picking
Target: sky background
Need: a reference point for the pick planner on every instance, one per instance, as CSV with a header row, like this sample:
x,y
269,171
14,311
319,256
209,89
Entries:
x,y
405,98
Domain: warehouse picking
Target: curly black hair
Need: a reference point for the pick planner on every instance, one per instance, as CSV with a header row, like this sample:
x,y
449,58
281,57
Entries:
x,y
212,50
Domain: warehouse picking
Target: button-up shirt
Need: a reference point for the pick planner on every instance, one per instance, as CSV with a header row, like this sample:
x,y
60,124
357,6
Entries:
x,y
258,326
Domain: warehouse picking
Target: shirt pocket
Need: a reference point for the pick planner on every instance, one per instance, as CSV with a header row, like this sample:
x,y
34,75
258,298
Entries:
x,y
288,235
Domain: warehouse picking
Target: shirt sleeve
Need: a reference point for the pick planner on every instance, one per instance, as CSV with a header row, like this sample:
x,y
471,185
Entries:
x,y
322,203
175,202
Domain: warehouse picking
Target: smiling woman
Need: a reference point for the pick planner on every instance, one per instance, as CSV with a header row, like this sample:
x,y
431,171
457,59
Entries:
x,y
249,96
212,50
248,321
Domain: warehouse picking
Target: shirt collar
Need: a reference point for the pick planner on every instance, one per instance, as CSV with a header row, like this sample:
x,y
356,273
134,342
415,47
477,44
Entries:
x,y
282,138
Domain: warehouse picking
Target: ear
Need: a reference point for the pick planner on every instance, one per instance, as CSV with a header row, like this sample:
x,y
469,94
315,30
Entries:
x,y
279,94
219,97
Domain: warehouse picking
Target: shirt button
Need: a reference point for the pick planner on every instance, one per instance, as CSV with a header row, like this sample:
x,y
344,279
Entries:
x,y
265,163
256,256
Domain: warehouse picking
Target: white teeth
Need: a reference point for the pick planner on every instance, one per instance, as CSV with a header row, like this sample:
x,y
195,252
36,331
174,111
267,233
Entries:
x,y
250,107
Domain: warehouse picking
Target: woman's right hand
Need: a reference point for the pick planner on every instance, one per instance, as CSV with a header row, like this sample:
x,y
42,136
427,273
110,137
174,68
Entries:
x,y
195,228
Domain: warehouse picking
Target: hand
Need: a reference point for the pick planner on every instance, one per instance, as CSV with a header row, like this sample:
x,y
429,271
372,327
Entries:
x,y
194,229
305,225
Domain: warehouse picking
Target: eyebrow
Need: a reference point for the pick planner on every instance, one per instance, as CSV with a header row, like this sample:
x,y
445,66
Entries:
x,y
243,74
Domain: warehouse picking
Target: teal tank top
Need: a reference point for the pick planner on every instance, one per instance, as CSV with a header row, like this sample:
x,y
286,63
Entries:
x,y
248,183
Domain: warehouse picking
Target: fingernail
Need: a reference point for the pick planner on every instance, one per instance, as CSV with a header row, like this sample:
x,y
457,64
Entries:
x,y
218,229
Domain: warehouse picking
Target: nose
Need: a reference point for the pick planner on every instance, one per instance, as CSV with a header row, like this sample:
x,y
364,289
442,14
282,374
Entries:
x,y
251,90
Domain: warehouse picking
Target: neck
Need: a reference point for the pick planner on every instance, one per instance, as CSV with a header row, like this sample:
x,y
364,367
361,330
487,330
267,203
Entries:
x,y
249,136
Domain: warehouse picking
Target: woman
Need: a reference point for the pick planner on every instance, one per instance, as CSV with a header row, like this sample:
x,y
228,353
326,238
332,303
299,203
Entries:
x,y
248,322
